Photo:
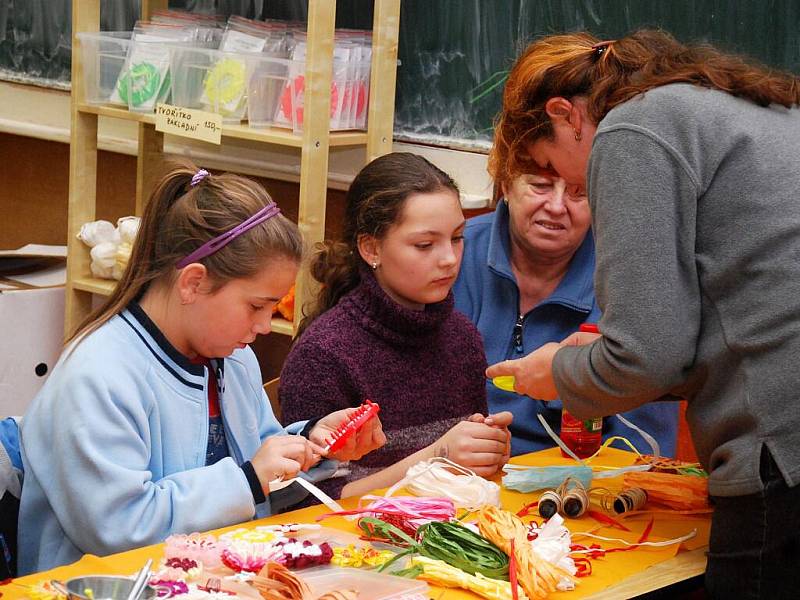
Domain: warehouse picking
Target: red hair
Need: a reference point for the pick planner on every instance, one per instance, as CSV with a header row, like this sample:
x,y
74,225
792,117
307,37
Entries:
x,y
608,74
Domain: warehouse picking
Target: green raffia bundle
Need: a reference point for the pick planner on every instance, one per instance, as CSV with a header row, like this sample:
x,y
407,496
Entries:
x,y
449,542
461,547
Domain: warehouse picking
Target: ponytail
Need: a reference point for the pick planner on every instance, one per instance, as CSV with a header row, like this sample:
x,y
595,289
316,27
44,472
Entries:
x,y
141,269
336,268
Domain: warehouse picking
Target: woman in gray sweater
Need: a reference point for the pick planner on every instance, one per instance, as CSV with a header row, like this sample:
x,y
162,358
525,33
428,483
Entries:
x,y
691,160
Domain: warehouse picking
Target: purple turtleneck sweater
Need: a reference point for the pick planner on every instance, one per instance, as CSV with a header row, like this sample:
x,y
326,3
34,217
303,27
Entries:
x,y
425,369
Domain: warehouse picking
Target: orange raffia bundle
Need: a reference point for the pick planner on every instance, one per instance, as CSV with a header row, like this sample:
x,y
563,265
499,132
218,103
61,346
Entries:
x,y
679,492
276,582
536,576
665,464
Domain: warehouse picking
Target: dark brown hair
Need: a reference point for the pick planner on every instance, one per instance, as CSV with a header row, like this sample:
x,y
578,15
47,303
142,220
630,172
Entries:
x,y
374,203
179,218
611,73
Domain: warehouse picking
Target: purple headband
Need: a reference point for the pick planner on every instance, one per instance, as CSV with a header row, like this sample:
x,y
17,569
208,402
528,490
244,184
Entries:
x,y
211,246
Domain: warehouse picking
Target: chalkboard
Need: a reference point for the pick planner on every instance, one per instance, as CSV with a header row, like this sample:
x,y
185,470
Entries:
x,y
454,54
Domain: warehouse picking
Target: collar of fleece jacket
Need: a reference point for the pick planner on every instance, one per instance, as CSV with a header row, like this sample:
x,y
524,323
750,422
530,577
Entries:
x,y
385,318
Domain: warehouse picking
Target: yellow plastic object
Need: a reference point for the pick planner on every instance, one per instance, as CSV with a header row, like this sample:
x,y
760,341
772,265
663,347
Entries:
x,y
504,382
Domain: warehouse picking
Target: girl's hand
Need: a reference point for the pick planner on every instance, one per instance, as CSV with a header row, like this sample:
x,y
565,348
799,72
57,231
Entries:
x,y
284,456
499,420
370,437
477,446
533,374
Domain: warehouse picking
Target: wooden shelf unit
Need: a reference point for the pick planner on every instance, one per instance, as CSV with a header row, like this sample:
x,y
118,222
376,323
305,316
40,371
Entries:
x,y
314,142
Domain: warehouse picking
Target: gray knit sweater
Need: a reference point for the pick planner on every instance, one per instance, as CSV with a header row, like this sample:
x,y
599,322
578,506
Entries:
x,y
695,200
424,368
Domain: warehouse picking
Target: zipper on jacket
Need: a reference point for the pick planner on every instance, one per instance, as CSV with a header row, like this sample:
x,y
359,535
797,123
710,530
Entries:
x,y
233,446
517,338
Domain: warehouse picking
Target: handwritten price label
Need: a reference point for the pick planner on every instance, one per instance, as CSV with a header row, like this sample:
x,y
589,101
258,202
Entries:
x,y
189,122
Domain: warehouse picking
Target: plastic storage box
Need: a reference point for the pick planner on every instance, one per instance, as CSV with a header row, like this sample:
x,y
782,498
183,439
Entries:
x,y
104,56
268,80
349,97
213,80
369,584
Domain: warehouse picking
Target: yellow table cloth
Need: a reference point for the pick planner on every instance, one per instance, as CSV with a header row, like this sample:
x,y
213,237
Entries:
x,y
613,569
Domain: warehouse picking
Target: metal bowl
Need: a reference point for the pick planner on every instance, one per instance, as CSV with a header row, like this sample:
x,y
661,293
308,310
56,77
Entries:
x,y
103,587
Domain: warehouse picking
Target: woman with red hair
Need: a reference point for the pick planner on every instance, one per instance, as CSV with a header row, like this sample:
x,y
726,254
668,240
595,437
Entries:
x,y
690,160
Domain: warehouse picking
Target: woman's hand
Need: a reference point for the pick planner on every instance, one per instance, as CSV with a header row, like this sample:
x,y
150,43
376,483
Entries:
x,y
477,446
533,374
284,456
370,437
580,338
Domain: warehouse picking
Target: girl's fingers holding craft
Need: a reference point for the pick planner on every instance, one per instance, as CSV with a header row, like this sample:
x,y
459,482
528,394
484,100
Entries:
x,y
288,468
488,447
486,470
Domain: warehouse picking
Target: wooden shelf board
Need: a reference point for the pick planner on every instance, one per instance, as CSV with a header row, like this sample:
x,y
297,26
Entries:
x,y
282,326
269,135
103,287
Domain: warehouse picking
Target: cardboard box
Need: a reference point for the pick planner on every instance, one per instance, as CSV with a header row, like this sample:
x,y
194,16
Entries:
x,y
31,324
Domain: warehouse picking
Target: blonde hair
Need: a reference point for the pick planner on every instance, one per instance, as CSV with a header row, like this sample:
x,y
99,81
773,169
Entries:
x,y
610,73
180,217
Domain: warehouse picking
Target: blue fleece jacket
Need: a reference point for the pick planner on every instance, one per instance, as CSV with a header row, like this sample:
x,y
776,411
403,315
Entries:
x,y
114,447
487,292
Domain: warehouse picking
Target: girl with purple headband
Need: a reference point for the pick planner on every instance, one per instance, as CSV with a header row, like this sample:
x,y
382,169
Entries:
x,y
154,421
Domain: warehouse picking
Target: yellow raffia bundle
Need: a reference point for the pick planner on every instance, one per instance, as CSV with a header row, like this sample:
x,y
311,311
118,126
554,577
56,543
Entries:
x,y
439,572
679,492
536,576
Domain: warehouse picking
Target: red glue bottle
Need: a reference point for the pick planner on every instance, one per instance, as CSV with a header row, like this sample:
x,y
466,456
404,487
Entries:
x,y
583,437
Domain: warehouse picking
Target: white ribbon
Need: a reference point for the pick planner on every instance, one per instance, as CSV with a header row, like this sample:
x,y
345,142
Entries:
x,y
435,477
280,483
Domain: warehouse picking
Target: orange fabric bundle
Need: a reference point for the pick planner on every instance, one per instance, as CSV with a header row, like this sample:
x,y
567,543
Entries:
x,y
536,576
276,582
286,306
680,492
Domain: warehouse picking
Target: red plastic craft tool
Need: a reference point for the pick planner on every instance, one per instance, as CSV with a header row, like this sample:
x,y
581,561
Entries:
x,y
589,328
351,424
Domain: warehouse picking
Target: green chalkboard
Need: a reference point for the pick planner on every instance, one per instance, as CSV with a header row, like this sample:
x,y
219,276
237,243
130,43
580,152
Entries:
x,y
454,53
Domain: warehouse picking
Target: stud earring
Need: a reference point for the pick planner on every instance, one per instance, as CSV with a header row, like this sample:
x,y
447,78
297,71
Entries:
x,y
374,265
577,136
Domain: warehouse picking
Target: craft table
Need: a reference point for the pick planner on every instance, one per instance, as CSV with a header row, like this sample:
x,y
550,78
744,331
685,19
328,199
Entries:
x,y
617,575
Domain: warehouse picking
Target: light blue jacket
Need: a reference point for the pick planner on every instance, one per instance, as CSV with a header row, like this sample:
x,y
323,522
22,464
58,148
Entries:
x,y
114,447
487,292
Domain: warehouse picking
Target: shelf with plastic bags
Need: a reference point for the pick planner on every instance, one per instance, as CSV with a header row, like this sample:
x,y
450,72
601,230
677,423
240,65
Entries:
x,y
268,135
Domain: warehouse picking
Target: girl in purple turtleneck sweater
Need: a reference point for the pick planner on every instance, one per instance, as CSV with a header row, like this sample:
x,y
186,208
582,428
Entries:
x,y
384,328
